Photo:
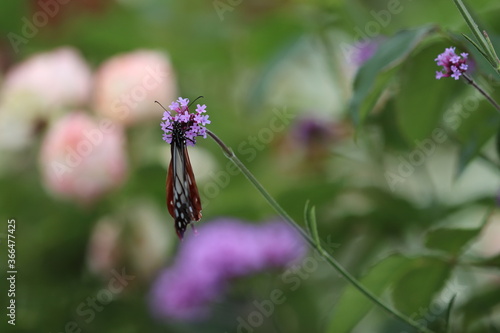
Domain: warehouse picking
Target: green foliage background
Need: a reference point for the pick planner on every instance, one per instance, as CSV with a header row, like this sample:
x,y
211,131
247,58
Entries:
x,y
405,245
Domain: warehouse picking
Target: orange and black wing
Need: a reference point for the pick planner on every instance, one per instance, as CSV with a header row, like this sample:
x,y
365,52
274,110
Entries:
x,y
183,199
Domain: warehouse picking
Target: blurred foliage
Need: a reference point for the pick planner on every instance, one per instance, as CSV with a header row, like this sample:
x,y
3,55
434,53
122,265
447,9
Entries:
x,y
407,242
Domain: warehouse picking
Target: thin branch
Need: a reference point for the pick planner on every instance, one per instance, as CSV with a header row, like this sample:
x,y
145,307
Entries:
x,y
482,91
332,261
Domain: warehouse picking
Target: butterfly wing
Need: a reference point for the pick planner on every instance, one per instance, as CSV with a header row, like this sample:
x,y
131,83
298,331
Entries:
x,y
170,191
183,199
195,207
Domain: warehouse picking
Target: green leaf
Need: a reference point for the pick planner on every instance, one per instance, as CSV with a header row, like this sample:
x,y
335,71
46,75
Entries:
x,y
450,240
365,98
486,48
418,286
306,217
453,241
422,100
493,262
448,314
437,319
474,112
476,307
497,143
353,306
374,76
478,48
310,219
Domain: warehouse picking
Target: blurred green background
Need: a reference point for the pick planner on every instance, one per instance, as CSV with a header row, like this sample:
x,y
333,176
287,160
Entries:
x,y
410,239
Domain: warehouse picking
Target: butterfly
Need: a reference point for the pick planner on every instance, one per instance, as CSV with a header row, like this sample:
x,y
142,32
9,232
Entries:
x,y
183,199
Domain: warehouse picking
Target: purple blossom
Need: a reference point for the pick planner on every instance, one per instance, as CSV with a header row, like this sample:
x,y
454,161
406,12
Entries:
x,y
167,138
166,125
184,117
201,108
310,131
183,101
203,120
192,124
453,65
174,106
166,115
221,251
364,50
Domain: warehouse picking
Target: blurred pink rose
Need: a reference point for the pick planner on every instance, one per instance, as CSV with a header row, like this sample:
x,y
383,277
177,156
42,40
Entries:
x,y
82,159
104,250
135,236
47,81
38,89
127,86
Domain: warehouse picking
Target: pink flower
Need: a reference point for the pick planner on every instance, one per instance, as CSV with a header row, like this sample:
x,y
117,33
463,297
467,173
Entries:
x,y
134,236
190,125
221,251
47,82
127,86
453,65
36,90
81,159
104,251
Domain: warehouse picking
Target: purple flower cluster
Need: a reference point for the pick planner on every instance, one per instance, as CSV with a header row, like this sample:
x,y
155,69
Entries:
x,y
192,124
222,250
454,65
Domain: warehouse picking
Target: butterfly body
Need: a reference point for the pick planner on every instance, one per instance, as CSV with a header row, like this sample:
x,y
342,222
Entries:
x,y
183,199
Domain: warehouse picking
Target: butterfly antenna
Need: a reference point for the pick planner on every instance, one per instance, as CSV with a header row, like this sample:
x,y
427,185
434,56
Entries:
x,y
161,106
197,98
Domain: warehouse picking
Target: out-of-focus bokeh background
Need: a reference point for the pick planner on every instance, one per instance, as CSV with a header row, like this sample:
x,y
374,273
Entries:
x,y
334,102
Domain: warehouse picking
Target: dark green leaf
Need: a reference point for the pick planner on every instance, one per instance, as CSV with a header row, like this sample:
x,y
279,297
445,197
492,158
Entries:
x,y
453,241
493,262
472,113
478,306
353,306
497,143
448,313
374,76
422,99
420,283
449,240
484,46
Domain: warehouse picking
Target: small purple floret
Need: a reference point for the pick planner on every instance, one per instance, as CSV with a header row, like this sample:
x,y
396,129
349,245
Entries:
x,y
453,65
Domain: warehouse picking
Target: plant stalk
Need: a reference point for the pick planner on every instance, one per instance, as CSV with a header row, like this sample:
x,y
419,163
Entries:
x,y
332,261
482,91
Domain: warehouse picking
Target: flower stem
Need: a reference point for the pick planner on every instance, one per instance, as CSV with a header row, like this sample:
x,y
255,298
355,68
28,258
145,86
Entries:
x,y
332,261
482,91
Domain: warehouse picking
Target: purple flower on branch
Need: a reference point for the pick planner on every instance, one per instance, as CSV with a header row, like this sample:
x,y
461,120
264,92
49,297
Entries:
x,y
223,250
453,65
192,124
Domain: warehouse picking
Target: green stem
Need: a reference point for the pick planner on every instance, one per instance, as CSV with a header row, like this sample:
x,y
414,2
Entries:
x,y
482,91
333,262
